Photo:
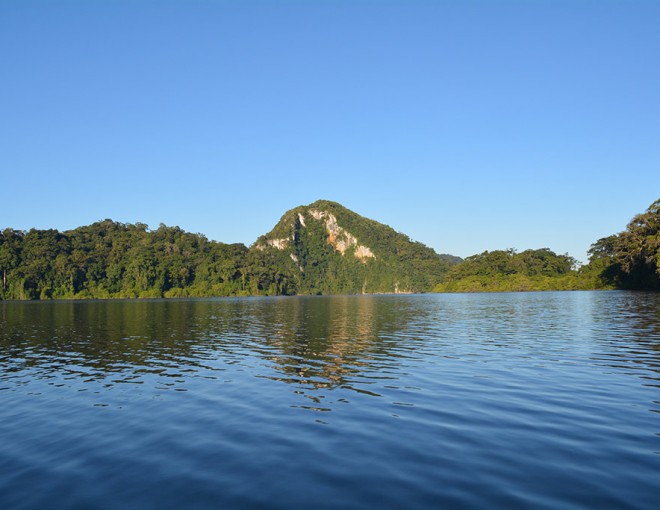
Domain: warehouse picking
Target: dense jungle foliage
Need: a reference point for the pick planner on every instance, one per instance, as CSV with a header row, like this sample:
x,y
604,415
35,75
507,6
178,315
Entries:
x,y
507,270
300,256
115,260
311,264
628,260
110,259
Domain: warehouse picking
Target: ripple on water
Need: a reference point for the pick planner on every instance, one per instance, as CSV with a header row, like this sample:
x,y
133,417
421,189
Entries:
x,y
540,400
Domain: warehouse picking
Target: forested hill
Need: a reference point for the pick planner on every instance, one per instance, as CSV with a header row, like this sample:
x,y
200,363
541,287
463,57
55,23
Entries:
x,y
320,248
326,248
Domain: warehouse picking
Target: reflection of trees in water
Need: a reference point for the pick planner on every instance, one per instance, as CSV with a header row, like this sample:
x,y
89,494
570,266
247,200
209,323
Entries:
x,y
624,316
314,342
97,339
326,342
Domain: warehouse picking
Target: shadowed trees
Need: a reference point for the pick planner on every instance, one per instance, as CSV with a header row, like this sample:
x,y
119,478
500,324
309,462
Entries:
x,y
631,259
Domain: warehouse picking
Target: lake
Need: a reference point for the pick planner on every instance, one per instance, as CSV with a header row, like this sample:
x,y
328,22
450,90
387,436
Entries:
x,y
521,400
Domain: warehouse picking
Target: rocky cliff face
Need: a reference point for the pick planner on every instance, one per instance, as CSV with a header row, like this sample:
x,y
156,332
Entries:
x,y
338,237
326,248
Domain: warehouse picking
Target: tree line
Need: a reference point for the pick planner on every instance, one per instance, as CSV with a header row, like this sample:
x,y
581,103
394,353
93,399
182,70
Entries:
x,y
628,260
117,260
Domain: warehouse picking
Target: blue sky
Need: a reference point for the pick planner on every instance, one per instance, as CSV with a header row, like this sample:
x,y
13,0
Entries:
x,y
468,125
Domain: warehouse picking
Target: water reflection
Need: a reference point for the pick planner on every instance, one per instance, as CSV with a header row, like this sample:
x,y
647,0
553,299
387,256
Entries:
x,y
443,401
627,328
318,344
325,343
96,340
313,343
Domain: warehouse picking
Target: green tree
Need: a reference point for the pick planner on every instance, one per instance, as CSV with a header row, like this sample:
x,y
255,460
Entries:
x,y
631,259
10,247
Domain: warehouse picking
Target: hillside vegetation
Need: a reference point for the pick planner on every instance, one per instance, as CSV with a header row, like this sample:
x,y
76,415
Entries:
x,y
507,270
110,259
322,248
338,252
628,260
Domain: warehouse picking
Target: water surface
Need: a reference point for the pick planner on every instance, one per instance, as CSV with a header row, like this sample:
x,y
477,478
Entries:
x,y
543,400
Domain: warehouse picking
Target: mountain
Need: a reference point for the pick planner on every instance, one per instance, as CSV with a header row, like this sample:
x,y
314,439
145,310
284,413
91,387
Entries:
x,y
324,248
321,248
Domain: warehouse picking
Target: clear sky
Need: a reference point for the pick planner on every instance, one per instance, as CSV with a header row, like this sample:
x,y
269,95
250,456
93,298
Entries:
x,y
468,125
